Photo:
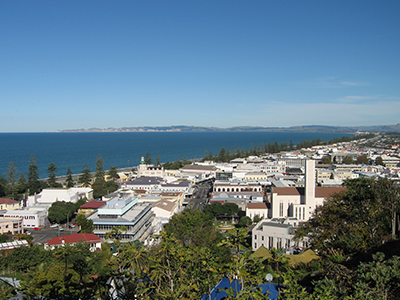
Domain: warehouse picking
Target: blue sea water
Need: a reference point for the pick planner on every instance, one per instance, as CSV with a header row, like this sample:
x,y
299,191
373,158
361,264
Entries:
x,y
124,149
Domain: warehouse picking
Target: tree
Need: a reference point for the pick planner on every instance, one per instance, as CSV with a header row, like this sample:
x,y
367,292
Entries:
x,y
356,220
379,161
22,184
33,176
3,186
245,221
68,274
85,178
362,160
215,209
69,181
86,225
147,159
113,173
52,179
326,160
61,212
12,177
181,272
348,160
158,163
99,174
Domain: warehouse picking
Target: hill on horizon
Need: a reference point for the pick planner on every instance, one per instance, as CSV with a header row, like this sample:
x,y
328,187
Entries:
x,y
305,128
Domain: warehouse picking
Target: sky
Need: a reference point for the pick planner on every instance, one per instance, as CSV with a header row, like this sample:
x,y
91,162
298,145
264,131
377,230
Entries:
x,y
221,63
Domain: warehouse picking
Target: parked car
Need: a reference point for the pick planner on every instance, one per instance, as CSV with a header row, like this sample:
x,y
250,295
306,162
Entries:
x,y
54,225
60,228
36,228
71,226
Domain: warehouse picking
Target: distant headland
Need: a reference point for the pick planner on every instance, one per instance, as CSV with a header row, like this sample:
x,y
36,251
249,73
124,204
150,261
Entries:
x,y
306,128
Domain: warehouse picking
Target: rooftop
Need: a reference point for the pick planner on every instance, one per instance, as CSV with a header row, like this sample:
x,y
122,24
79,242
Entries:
x,y
74,238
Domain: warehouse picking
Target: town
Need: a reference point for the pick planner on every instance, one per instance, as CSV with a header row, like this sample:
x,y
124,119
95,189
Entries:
x,y
269,195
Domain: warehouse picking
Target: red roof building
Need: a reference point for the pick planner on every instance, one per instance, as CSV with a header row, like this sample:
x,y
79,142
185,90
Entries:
x,y
72,239
8,204
90,207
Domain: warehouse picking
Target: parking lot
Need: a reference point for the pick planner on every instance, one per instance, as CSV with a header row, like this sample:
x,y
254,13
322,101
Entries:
x,y
44,234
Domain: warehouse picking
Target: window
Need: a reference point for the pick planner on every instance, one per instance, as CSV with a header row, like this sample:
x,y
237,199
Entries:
x,y
281,209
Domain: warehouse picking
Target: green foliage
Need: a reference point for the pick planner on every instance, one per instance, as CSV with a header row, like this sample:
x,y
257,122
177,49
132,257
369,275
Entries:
x,y
357,220
4,238
147,159
60,211
217,209
348,160
73,272
326,160
52,179
3,186
379,161
23,259
33,176
362,160
245,221
99,174
11,176
85,178
257,218
378,279
6,291
181,272
69,181
113,173
84,224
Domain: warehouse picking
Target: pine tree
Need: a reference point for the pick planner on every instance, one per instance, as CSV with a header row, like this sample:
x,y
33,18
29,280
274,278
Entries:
x,y
33,176
69,181
52,171
12,177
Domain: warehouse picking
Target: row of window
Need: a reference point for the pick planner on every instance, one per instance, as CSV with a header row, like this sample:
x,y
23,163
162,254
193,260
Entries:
x,y
257,189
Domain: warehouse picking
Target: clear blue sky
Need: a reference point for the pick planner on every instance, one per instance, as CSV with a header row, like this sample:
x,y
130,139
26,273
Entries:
x,y
224,63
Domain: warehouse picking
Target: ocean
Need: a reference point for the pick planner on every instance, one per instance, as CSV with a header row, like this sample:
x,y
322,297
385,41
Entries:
x,y
124,149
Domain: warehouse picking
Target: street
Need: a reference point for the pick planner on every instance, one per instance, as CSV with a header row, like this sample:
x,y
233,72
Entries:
x,y
41,236
201,197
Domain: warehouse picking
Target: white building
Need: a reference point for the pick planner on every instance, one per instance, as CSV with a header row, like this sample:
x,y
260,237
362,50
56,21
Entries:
x,y
31,217
277,234
144,170
124,211
299,202
49,196
257,209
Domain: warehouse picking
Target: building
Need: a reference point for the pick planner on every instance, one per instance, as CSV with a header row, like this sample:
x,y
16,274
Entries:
x,y
277,234
257,209
74,238
49,196
143,183
144,170
90,207
202,171
123,211
300,202
31,217
6,204
11,225
237,186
